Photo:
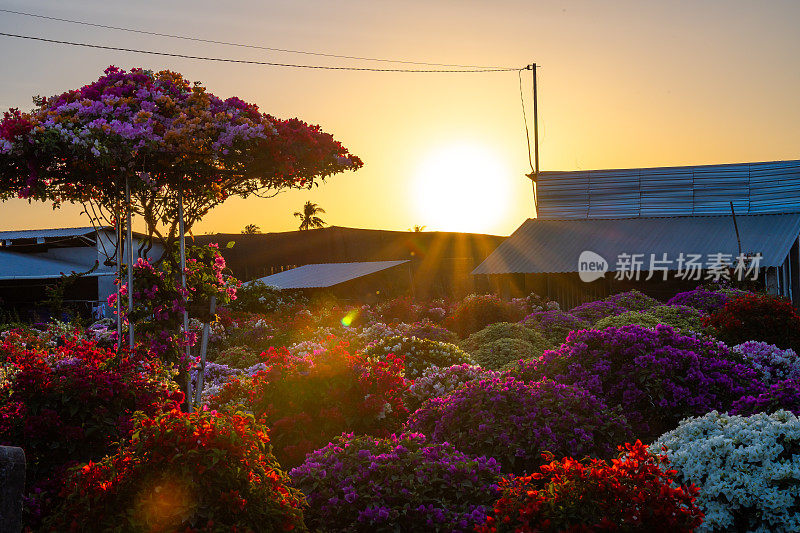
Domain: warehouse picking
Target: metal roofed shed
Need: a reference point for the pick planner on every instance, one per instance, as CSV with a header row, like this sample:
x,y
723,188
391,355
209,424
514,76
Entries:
x,y
328,275
763,187
544,253
27,266
32,261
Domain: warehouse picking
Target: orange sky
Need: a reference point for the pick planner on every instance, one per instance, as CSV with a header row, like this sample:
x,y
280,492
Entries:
x,y
622,84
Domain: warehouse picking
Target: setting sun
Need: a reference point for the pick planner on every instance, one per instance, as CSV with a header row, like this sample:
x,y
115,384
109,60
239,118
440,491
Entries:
x,y
461,187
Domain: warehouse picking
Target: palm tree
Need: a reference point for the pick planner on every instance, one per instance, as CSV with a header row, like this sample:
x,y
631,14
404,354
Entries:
x,y
417,228
251,229
308,217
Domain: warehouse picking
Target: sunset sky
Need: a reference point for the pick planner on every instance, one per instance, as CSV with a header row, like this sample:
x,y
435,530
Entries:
x,y
621,84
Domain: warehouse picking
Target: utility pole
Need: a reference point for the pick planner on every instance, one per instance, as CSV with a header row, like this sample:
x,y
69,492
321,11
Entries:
x,y
535,124
534,176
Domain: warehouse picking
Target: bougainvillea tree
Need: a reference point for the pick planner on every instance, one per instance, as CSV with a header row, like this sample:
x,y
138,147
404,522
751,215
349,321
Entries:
x,y
168,137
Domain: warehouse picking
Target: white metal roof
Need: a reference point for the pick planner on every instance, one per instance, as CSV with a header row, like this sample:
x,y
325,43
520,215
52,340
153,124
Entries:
x,y
43,233
29,266
326,274
543,245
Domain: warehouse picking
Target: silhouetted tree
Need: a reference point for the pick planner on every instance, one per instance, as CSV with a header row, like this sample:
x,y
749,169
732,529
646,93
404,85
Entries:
x,y
308,216
251,229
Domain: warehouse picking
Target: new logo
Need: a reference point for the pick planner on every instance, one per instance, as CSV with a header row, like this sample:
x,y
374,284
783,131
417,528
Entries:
x,y
591,266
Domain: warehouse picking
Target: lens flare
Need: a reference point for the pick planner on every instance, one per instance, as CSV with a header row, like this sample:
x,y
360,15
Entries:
x,y
349,318
165,504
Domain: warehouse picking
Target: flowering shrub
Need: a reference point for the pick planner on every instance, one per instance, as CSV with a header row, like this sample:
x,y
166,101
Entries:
x,y
680,317
207,275
257,297
377,331
780,395
426,329
204,471
158,306
475,312
69,405
418,354
260,332
435,382
633,300
657,376
238,357
514,421
746,467
633,493
306,401
591,312
401,309
775,364
757,317
704,300
400,483
554,325
435,310
217,376
497,354
502,330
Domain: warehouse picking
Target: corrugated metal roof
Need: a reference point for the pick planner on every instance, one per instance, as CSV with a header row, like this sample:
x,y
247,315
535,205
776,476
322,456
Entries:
x,y
766,187
44,233
540,246
326,274
29,266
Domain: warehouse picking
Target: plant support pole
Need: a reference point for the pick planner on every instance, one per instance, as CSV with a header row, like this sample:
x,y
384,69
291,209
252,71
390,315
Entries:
x,y
129,253
201,372
119,275
188,352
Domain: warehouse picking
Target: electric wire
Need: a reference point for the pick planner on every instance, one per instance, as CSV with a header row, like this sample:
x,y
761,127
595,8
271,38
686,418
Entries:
x,y
525,118
250,62
243,45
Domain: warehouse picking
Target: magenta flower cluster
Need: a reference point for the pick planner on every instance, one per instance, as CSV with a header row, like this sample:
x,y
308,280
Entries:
x,y
774,363
657,376
360,483
554,325
781,395
515,421
701,299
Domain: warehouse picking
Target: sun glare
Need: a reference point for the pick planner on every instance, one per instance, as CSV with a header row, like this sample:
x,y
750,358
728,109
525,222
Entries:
x,y
462,187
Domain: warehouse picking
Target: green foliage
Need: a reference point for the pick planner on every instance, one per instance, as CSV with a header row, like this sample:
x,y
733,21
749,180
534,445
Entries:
x,y
685,319
258,297
503,330
555,325
496,354
239,357
633,300
475,312
419,354
55,291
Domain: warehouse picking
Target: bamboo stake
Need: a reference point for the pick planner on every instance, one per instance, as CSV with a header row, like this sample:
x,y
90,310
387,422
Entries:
x,y
182,245
129,244
201,372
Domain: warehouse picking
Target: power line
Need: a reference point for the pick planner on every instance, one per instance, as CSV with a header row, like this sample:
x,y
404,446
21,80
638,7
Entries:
x,y
524,117
248,62
241,45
